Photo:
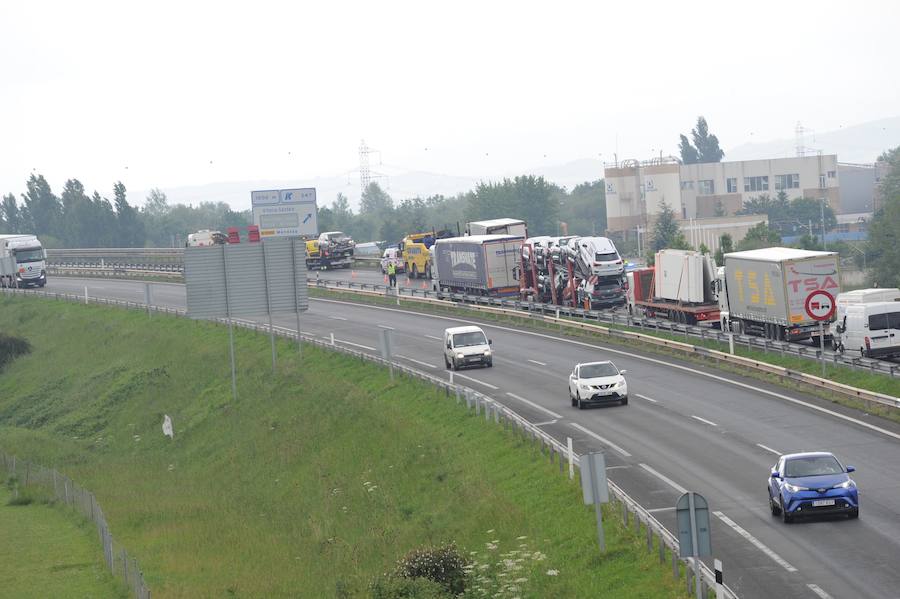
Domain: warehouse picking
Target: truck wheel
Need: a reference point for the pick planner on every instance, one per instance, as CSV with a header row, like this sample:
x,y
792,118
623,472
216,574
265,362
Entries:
x,y
415,271
446,362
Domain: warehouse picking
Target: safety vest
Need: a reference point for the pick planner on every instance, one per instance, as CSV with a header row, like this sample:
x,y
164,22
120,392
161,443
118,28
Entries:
x,y
392,269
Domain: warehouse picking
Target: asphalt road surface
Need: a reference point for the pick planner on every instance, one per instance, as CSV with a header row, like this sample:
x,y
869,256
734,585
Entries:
x,y
686,427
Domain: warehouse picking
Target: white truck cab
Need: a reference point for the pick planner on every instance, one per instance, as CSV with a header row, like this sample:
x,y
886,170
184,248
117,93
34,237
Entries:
x,y
467,346
23,262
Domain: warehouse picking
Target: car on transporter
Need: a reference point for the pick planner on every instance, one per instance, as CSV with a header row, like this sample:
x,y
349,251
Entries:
x,y
811,484
597,383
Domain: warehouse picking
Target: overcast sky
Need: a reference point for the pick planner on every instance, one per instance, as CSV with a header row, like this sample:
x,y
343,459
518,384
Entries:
x,y
181,93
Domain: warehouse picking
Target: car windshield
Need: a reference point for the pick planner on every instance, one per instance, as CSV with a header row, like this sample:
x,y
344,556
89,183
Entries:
x,y
590,371
29,255
467,339
812,466
607,257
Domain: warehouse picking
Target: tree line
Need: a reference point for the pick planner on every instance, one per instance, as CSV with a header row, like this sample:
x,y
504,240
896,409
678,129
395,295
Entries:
x,y
75,219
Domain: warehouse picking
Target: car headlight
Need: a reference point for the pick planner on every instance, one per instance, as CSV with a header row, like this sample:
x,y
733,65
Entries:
x,y
585,387
460,356
794,488
620,383
844,485
487,352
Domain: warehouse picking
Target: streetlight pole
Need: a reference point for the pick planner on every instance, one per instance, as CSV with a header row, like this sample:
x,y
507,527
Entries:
x,y
824,242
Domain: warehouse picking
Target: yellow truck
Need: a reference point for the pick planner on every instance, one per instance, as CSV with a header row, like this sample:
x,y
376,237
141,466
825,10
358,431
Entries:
x,y
415,249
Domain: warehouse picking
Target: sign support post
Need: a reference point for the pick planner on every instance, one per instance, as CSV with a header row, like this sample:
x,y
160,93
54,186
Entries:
x,y
820,307
595,489
822,345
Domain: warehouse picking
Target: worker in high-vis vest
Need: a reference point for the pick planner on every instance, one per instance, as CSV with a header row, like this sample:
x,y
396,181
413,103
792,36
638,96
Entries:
x,y
392,274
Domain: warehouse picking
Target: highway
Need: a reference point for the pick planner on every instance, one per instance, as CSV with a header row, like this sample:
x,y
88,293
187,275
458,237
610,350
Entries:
x,y
686,427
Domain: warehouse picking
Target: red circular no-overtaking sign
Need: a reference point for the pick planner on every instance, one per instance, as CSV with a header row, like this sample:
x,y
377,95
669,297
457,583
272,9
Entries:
x,y
820,305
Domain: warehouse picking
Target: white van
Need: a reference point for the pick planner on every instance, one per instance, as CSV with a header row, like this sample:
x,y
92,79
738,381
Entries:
x,y
467,346
392,255
857,296
871,329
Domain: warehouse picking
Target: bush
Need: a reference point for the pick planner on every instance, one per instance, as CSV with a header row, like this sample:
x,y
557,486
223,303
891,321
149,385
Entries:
x,y
444,565
394,587
11,348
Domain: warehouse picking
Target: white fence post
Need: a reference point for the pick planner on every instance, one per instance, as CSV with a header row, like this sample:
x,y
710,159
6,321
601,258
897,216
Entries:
x,y
571,459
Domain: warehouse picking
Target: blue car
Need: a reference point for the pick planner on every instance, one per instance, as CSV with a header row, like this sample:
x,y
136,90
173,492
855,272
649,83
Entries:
x,y
808,484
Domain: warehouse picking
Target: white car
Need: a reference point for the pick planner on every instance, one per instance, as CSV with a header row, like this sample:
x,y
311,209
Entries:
x,y
597,383
467,346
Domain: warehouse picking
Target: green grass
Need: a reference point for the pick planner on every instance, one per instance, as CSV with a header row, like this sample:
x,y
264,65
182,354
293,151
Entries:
x,y
47,551
879,383
312,484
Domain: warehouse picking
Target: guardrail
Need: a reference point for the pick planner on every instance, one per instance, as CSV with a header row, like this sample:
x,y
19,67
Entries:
x,y
764,367
84,502
492,410
871,365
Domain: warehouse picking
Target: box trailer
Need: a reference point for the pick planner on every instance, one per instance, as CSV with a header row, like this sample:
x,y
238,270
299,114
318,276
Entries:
x,y
498,226
765,291
478,264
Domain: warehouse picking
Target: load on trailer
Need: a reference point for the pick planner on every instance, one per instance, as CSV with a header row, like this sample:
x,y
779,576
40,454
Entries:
x,y
22,261
680,286
498,226
332,249
477,264
765,291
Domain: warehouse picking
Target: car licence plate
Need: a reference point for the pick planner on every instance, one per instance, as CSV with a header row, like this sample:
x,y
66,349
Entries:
x,y
823,502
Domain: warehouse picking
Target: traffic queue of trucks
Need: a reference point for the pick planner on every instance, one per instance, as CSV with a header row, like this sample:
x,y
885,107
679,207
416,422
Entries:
x,y
23,262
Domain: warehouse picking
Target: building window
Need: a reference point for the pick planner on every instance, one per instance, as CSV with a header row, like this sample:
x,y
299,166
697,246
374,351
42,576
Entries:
x,y
821,181
787,181
832,174
731,184
756,183
706,187
687,185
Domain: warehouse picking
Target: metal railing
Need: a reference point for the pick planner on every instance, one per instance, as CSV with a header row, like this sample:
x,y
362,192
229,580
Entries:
x,y
70,494
492,411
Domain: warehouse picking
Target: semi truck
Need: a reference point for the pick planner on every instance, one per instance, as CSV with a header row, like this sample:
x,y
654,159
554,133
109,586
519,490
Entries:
x,y
332,249
681,286
23,262
477,264
763,292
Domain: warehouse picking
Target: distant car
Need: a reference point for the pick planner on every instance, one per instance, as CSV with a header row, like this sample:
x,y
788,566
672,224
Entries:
x,y
392,255
809,484
597,383
467,346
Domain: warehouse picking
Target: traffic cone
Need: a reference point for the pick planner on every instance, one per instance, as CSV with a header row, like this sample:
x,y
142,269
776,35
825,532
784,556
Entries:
x,y
385,279
352,274
424,285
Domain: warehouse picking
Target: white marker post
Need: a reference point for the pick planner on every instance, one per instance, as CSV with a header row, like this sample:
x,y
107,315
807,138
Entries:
x,y
571,459
720,587
85,296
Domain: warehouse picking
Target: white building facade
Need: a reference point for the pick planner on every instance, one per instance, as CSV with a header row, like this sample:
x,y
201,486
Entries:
x,y
712,190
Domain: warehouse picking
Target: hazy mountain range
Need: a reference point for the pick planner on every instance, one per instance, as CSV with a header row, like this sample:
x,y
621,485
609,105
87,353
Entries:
x,y
857,144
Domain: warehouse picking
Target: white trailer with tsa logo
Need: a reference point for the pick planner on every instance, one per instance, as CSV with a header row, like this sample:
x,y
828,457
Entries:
x,y
764,291
478,264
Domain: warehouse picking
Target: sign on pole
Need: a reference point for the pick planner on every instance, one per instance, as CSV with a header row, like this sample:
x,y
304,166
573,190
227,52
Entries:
x,y
285,212
692,518
820,306
595,488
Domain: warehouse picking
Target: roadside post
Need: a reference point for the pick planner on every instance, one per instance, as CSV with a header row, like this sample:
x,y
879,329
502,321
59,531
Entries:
x,y
386,350
595,488
820,307
692,517
720,588
731,343
147,298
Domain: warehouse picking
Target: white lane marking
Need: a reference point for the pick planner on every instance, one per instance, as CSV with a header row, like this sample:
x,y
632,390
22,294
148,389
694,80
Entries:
x,y
417,361
351,343
538,363
384,326
545,423
433,337
709,422
661,509
337,318
535,406
601,439
618,467
778,453
756,542
650,399
468,378
818,591
664,478
620,352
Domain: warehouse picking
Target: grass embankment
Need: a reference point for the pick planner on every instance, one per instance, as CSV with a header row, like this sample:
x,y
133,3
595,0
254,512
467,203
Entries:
x,y
313,483
46,552
879,383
